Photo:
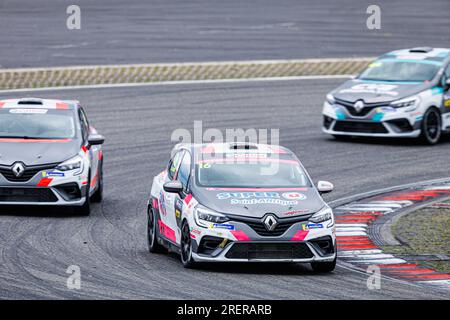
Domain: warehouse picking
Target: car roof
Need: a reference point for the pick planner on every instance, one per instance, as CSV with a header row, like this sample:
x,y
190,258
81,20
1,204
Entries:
x,y
426,54
37,103
235,148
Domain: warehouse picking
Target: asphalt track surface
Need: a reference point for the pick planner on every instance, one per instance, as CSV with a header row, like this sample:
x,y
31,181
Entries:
x,y
37,246
33,33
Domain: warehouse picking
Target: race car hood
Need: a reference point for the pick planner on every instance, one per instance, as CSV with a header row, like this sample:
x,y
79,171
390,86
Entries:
x,y
37,152
257,202
377,92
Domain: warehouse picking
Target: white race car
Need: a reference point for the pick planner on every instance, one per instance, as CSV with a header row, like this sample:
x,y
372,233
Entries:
x,y
49,155
219,202
404,93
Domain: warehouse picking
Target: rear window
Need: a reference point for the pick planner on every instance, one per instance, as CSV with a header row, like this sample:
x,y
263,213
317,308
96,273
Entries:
x,y
37,123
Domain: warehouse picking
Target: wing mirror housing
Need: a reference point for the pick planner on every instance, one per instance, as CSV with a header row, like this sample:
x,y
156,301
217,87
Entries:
x,y
447,83
173,186
96,139
324,187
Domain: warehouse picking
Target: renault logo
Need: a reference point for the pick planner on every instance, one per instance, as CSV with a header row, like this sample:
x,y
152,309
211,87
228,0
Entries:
x,y
270,223
18,169
359,105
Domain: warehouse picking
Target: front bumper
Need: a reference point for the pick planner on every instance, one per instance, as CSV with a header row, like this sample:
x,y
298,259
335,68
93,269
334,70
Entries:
x,y
44,188
377,122
367,129
293,240
264,251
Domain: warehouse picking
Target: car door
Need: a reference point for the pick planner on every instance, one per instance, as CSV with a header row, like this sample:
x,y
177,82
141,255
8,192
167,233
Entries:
x,y
169,227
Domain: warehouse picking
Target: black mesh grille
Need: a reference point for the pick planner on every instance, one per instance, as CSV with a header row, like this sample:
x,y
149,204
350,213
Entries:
x,y
359,126
263,251
258,225
29,172
27,195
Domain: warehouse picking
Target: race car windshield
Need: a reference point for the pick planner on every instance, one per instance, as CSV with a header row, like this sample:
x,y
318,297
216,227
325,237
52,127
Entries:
x,y
400,70
36,124
251,175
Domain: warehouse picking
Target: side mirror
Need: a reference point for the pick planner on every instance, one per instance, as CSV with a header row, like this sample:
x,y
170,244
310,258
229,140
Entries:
x,y
447,83
173,186
324,186
96,139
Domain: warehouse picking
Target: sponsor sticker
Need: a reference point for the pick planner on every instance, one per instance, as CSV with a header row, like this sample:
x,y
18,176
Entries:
x,y
28,111
310,226
246,195
223,226
53,174
294,196
280,202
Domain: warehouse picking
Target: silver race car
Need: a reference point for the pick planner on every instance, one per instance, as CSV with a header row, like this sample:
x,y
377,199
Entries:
x,y
49,155
243,203
403,93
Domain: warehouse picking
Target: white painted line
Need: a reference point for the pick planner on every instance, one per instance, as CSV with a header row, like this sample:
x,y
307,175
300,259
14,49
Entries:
x,y
359,252
353,208
440,283
402,202
375,256
351,233
378,205
182,82
350,229
381,261
343,225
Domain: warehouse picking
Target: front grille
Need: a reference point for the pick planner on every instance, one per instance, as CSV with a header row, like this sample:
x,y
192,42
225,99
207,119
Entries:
x,y
27,195
258,225
359,126
29,172
364,111
298,250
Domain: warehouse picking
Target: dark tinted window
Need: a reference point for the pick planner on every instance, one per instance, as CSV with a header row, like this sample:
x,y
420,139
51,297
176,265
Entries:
x,y
174,163
185,170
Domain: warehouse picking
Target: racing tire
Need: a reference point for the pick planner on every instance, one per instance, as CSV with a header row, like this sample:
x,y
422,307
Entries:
x,y
323,267
98,194
431,127
186,247
152,236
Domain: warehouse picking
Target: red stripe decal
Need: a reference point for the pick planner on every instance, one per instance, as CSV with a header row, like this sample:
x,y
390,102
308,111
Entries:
x,y
155,203
429,276
300,235
62,106
166,231
2,104
44,182
240,235
84,149
188,199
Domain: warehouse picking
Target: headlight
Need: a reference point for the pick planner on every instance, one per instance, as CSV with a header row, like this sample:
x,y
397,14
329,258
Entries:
x,y
76,163
204,217
323,215
330,99
410,103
